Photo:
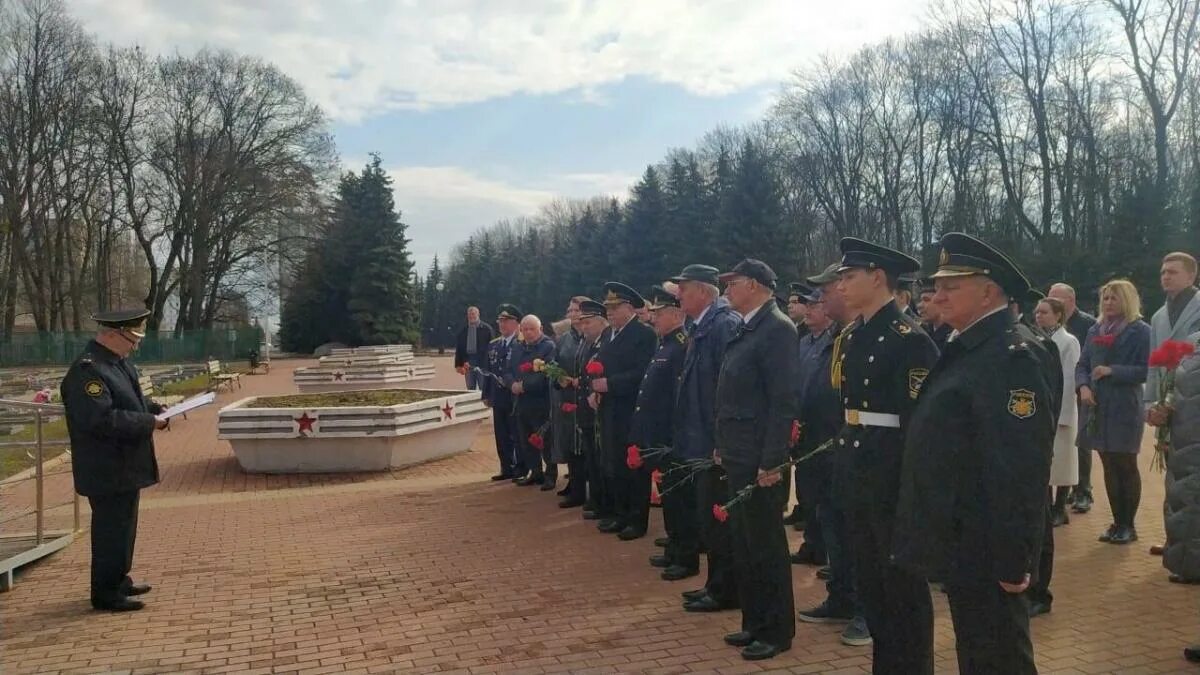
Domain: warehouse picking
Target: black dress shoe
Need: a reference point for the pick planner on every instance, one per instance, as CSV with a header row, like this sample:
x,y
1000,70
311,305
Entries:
x,y
590,515
136,589
660,561
757,651
1082,504
706,603
569,503
121,604
528,480
662,542
1124,535
1156,549
609,526
694,595
739,639
1060,518
547,485
502,476
1176,579
565,491
677,572
825,573
630,533
1038,609
806,556
1108,534
1192,653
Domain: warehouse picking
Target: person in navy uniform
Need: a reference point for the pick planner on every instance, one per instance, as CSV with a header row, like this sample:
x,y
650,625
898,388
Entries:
x,y
593,324
624,355
973,497
498,397
111,425
931,321
884,359
653,420
531,391
756,406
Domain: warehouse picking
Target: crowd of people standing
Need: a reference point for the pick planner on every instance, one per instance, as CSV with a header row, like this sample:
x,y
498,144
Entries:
x,y
937,424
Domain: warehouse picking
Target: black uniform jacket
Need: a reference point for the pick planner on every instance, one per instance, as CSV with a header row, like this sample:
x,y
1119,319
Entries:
x,y
884,362
585,417
625,357
756,396
111,424
655,411
977,458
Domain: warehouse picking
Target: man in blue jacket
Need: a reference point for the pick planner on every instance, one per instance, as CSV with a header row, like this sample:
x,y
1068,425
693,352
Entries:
x,y
498,397
711,324
532,391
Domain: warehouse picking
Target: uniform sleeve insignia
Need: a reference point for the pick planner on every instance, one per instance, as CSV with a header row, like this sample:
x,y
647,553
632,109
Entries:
x,y
681,337
1022,403
916,378
93,388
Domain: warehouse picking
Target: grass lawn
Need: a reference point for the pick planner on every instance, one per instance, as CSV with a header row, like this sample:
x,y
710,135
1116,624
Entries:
x,y
14,459
196,384
383,397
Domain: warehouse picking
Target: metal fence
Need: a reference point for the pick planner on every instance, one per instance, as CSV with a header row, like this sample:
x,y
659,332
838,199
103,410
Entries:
x,y
60,349
31,528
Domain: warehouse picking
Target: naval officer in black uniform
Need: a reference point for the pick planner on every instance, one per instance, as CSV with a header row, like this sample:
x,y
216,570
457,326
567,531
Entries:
x,y
973,494
653,420
884,359
111,425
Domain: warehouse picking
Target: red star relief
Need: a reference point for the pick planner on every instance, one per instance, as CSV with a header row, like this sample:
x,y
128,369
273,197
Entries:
x,y
306,423
338,376
448,410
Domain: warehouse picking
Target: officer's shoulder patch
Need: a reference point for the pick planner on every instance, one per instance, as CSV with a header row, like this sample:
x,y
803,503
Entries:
x,y
916,378
93,388
1022,403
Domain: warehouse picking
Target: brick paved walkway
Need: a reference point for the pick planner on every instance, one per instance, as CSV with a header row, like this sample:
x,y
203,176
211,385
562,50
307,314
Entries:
x,y
435,569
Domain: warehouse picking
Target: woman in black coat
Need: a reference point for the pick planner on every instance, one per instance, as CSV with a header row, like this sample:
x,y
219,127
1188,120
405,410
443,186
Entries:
x,y
1109,379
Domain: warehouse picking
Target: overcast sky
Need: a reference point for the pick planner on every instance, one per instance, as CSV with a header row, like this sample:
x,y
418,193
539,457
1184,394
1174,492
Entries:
x,y
486,109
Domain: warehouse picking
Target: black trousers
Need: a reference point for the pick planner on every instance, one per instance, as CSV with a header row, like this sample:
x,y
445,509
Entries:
x,y
599,497
721,584
632,495
504,428
114,531
764,572
529,420
992,629
577,487
678,491
813,478
896,604
1039,586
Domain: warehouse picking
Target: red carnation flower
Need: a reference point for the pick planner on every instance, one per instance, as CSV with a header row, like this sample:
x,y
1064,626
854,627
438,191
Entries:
x,y
569,407
795,432
656,476
594,368
1105,341
1171,353
720,513
536,441
633,458
526,367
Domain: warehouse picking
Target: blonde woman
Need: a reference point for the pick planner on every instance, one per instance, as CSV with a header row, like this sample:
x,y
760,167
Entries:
x,y
1109,379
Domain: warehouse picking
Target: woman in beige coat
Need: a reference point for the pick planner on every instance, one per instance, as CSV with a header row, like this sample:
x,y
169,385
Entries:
x,y
1064,470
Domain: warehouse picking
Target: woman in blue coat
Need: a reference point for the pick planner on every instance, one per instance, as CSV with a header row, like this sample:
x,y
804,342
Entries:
x,y
1109,378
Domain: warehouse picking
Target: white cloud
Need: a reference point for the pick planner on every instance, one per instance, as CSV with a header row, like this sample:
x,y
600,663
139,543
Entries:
x,y
362,57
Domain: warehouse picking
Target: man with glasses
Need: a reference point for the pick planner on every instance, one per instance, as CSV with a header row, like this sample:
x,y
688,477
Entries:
x,y
111,425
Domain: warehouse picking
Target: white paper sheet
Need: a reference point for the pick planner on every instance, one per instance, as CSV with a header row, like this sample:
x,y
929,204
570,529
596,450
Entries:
x,y
189,404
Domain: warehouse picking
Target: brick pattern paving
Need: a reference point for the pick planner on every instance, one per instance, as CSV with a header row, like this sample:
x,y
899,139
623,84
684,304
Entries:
x,y
435,569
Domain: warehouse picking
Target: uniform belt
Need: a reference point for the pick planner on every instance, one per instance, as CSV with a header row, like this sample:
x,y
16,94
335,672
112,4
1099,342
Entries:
x,y
872,419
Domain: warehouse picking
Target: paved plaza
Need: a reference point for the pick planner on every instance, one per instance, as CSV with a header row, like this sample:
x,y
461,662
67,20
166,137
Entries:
x,y
436,569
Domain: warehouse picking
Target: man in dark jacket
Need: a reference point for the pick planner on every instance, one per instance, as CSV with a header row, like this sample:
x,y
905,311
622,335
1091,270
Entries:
x,y
1078,323
756,405
624,357
931,320
652,428
497,396
985,420
111,425
593,325
884,359
710,326
532,391
470,350
566,448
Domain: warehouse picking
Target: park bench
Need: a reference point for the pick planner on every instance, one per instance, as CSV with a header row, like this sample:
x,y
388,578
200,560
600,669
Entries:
x,y
147,386
219,378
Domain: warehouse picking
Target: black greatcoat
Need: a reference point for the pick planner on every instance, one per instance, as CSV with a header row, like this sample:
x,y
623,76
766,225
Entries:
x,y
756,403
625,357
883,363
653,420
111,424
973,497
